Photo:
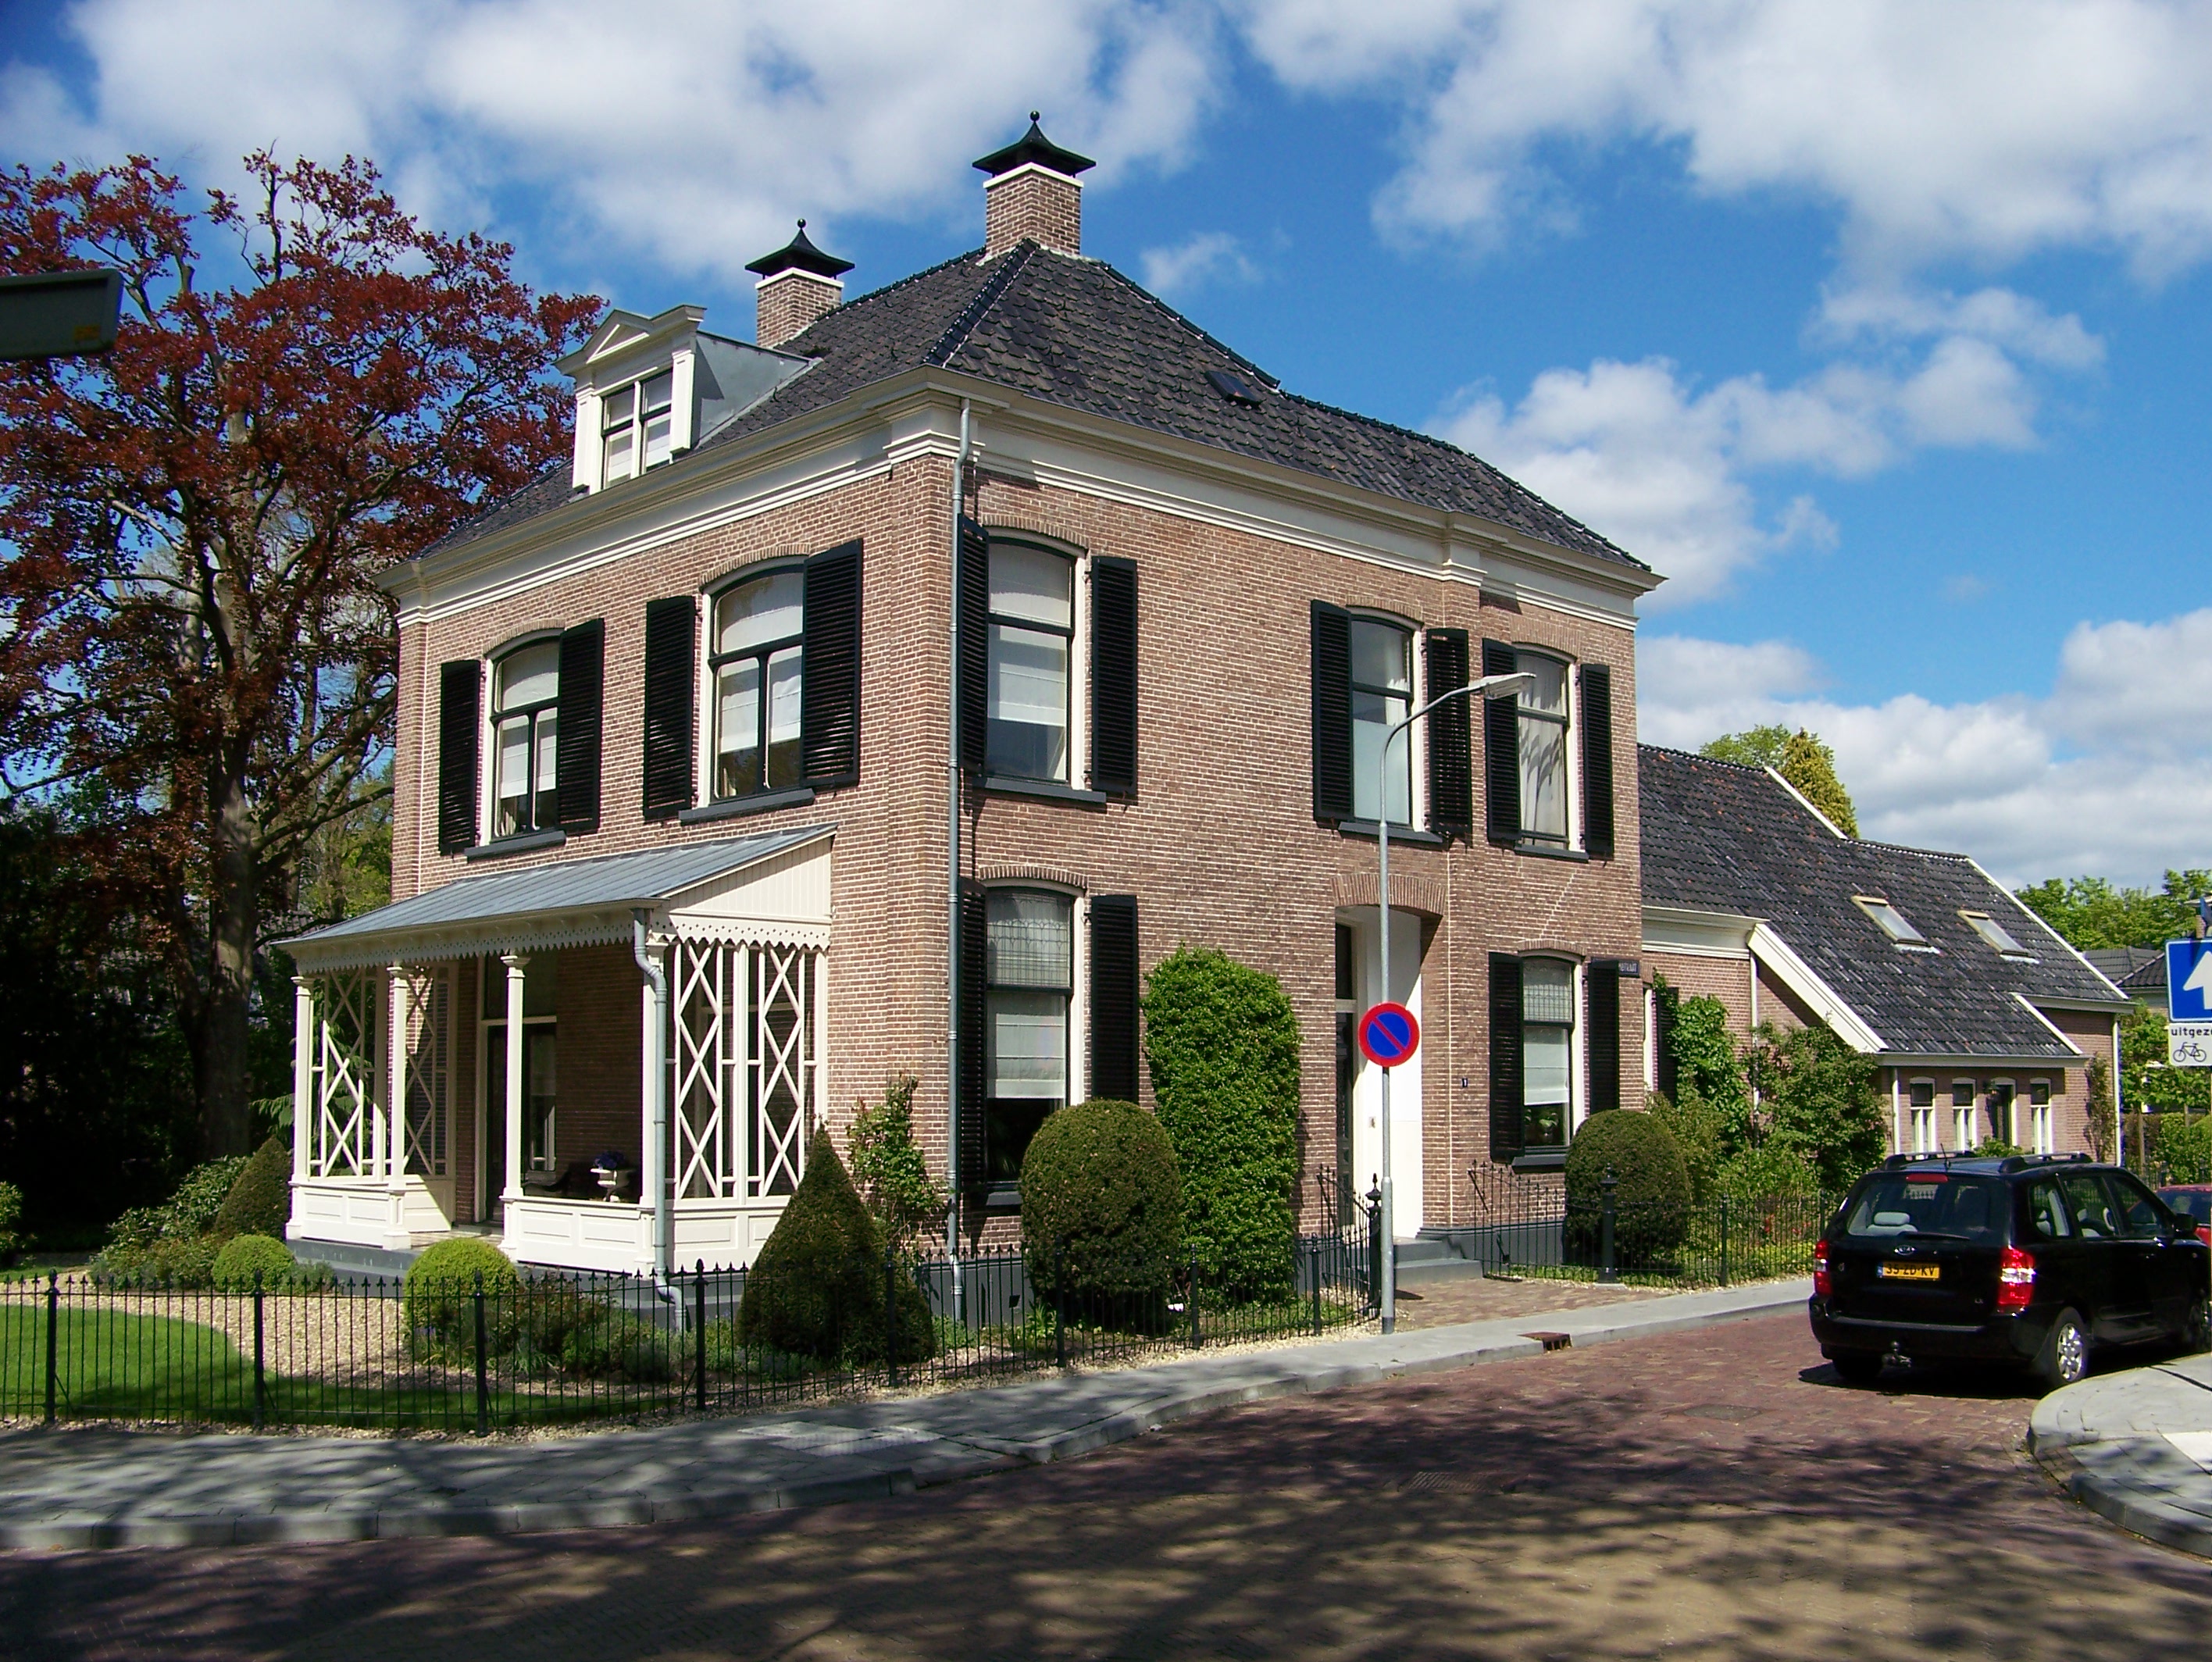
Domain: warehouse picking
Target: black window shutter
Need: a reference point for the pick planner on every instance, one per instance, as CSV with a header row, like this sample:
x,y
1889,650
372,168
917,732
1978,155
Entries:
x,y
830,681
576,744
672,648
973,939
1114,996
1451,742
1114,675
1662,1045
460,728
1597,760
1505,1075
1602,1025
1501,751
1332,711
973,582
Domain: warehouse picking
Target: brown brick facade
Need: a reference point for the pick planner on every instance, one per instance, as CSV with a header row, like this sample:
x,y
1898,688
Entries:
x,y
1032,204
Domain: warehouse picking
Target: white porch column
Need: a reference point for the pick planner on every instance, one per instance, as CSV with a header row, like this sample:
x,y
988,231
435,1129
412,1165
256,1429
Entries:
x,y
653,1153
515,966
306,1117
395,1136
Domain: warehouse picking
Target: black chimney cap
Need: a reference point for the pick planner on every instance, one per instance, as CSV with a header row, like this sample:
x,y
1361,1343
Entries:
x,y
1034,146
800,255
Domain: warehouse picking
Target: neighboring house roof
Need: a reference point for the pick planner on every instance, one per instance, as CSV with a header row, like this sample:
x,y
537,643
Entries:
x,y
577,902
1074,331
2138,970
1726,838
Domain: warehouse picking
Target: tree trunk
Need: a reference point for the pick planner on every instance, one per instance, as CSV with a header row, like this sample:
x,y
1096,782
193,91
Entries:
x,y
233,919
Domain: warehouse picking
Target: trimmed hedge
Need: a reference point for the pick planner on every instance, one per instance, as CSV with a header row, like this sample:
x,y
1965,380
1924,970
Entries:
x,y
245,1257
260,1198
439,1306
816,1288
1102,1204
1651,1187
1222,1043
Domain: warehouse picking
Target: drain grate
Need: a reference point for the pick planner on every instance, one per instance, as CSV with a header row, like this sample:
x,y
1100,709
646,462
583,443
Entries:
x,y
1552,1341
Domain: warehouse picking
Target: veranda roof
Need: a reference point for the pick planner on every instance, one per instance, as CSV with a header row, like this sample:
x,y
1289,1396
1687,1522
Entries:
x,y
585,902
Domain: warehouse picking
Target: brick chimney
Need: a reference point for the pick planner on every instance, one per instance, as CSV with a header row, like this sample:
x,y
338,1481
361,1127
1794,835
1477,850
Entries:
x,y
1033,194
798,283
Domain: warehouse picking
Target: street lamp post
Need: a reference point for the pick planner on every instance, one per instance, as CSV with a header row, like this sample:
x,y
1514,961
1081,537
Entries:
x,y
1488,687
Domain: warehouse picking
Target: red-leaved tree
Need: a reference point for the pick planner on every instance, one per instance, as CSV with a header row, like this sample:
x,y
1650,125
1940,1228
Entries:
x,y
307,385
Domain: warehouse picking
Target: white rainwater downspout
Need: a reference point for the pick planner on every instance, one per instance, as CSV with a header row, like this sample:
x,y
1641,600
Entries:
x,y
952,1172
653,1179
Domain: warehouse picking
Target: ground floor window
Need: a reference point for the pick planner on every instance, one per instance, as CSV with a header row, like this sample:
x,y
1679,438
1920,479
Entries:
x,y
2039,1117
1962,1115
1029,984
2003,1121
1923,1102
1547,1049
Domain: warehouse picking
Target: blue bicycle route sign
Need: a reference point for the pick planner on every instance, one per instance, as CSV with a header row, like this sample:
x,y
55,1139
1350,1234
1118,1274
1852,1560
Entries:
x,y
1389,1035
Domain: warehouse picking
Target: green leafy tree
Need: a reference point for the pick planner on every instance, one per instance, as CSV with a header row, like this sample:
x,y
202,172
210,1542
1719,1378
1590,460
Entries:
x,y
2146,1081
1822,1100
2092,912
1221,1041
1706,1066
888,1168
2101,1126
1798,756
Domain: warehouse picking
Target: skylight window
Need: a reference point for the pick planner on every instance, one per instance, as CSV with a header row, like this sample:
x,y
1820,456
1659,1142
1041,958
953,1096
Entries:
x,y
1893,922
1996,934
1235,388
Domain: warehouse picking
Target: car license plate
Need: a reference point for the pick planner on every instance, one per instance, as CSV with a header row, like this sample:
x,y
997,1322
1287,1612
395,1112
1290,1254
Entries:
x,y
1910,1272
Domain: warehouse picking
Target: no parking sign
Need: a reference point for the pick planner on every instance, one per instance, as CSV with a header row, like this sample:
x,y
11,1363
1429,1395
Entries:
x,y
1389,1035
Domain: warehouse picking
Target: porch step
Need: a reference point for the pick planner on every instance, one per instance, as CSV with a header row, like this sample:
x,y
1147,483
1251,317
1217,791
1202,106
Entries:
x,y
1435,1255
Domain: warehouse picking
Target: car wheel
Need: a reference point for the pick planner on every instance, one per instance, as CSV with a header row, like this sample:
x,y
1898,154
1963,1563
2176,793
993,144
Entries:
x,y
2064,1358
2197,1331
1857,1367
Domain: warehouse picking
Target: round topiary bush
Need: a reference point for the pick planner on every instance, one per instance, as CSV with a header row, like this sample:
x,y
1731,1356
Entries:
x,y
1103,1207
817,1289
244,1258
439,1307
1222,1044
1651,1189
260,1198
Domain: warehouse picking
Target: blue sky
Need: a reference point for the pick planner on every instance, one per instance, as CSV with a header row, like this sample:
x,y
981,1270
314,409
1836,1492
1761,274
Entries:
x,y
1881,329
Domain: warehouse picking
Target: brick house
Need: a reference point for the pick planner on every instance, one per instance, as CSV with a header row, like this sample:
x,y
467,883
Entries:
x,y
1984,1021
888,695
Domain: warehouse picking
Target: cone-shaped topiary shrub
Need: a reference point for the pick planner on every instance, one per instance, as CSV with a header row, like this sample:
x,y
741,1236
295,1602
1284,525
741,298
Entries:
x,y
817,1289
439,1307
1651,1188
1222,1043
260,1198
244,1257
1102,1205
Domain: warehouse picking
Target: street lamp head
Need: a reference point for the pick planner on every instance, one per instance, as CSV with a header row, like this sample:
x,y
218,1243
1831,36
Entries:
x,y
1504,686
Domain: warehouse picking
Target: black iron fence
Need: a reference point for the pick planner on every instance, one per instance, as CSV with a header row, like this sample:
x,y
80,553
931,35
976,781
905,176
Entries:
x,y
557,1348
1531,1230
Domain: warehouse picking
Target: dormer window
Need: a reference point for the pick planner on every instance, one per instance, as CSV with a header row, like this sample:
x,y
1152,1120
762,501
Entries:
x,y
1996,934
637,420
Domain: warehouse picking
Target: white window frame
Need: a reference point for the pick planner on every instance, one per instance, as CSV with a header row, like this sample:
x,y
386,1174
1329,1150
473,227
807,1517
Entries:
x,y
1924,1138
1078,653
708,728
1577,1064
1416,739
1962,1115
2040,1117
636,383
1570,692
1079,1002
487,774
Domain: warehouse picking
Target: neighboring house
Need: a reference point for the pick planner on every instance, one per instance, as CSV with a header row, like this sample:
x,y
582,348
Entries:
x,y
2138,970
1984,1019
676,859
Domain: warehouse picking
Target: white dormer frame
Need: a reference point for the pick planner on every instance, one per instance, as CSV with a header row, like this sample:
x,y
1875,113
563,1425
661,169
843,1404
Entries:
x,y
627,348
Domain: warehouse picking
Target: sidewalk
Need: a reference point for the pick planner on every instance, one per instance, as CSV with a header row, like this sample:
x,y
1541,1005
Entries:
x,y
67,1488
2136,1447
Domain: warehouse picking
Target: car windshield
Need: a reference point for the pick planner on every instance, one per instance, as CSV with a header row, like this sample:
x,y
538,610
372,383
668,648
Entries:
x,y
2195,1205
1929,1203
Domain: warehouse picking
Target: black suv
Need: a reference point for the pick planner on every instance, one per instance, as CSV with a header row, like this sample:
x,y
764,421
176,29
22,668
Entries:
x,y
2024,1260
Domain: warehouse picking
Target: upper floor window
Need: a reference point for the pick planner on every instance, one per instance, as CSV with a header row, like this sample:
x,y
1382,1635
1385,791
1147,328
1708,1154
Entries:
x,y
637,426
1994,933
754,659
1381,697
525,715
1029,981
1894,923
1543,735
1031,642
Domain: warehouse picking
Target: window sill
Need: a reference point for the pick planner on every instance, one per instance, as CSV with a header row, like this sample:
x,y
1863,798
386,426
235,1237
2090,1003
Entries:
x,y
521,845
1001,784
738,807
1541,1159
1404,833
1548,851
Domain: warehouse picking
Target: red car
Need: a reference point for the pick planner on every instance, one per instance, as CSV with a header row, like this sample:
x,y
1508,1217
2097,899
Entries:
x,y
2194,1202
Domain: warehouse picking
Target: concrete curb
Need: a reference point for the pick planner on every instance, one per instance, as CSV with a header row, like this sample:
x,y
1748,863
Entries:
x,y
1179,1390
2139,1480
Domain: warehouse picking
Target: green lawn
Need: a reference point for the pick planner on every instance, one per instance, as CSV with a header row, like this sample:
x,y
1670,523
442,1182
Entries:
x,y
127,1367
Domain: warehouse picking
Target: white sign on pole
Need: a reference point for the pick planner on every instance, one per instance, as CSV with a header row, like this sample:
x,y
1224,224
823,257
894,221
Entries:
x,y
2189,1044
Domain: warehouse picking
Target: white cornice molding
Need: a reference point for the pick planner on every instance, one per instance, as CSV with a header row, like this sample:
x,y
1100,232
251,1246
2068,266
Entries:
x,y
1775,954
915,415
1698,933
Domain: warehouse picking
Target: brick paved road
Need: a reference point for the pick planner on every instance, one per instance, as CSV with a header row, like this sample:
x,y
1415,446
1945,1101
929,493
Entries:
x,y
1708,1494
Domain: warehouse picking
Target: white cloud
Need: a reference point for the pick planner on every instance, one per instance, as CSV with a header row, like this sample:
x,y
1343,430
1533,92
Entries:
x,y
1990,128
693,140
2108,774
1202,258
